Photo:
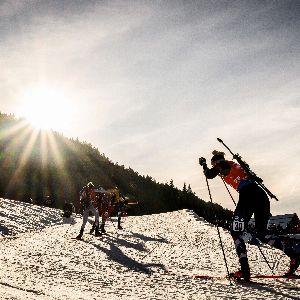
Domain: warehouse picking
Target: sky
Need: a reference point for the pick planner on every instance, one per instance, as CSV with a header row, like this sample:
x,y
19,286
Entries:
x,y
153,84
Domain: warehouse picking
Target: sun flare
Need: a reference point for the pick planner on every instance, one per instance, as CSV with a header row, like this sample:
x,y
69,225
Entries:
x,y
46,108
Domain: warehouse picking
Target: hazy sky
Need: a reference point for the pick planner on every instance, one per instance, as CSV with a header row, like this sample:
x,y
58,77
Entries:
x,y
152,84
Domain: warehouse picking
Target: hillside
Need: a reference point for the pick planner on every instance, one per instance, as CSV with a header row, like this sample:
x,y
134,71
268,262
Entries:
x,y
38,164
154,257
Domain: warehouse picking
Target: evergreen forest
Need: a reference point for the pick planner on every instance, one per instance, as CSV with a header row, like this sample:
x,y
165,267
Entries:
x,y
36,164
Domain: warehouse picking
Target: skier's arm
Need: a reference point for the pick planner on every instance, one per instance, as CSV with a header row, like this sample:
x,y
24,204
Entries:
x,y
209,173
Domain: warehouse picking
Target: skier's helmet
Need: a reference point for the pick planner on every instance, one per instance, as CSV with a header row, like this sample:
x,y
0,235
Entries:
x,y
217,157
90,185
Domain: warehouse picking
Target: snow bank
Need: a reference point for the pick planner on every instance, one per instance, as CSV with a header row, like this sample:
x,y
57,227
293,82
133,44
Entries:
x,y
154,257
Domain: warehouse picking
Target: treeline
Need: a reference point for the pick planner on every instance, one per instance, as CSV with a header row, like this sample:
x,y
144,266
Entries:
x,y
39,164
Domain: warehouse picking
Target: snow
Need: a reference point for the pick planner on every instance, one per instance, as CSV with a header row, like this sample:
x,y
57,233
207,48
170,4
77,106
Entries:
x,y
154,257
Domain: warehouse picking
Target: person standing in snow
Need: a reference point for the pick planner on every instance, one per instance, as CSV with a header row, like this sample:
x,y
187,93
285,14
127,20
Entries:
x,y
68,209
121,206
103,204
87,199
252,200
119,203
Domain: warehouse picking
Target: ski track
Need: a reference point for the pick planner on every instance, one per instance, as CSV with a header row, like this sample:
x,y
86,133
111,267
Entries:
x,y
154,257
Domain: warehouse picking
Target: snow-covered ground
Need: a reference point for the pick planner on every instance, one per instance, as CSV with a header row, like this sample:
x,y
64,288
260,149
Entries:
x,y
154,257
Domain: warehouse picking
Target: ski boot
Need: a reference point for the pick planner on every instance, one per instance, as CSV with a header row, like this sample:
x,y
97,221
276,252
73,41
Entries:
x,y
294,264
292,250
242,275
93,228
119,224
102,228
79,236
97,232
238,276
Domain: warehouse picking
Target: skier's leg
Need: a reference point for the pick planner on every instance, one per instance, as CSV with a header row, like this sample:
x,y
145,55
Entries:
x,y
289,247
242,255
294,265
96,214
93,227
241,218
102,227
96,222
292,249
262,215
119,219
85,216
79,236
261,205
104,216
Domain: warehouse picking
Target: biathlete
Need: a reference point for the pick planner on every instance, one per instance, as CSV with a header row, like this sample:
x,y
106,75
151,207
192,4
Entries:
x,y
87,202
252,200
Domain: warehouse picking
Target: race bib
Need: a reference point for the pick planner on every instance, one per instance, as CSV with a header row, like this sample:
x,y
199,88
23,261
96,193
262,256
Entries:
x,y
238,224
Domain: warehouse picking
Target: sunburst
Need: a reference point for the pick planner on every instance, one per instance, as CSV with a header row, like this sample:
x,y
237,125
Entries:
x,y
46,108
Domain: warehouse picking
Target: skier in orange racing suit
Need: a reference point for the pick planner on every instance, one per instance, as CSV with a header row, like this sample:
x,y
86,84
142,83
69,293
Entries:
x,y
252,200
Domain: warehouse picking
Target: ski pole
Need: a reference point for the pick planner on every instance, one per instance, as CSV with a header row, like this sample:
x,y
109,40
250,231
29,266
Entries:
x,y
250,173
220,239
149,252
228,191
265,258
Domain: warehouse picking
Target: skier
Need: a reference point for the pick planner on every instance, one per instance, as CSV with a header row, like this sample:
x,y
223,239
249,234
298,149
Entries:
x,y
252,200
87,199
68,209
100,194
119,202
104,207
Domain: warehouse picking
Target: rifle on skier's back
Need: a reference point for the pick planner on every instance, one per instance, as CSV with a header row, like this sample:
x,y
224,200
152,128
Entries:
x,y
253,177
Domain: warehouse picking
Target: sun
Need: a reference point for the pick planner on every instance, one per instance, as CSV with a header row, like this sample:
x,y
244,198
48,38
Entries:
x,y
46,108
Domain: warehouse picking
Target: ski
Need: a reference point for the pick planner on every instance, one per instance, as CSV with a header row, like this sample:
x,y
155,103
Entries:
x,y
254,277
231,278
211,277
253,280
277,276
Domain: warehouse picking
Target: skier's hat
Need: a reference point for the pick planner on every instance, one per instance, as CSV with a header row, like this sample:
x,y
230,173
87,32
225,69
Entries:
x,y
217,156
90,185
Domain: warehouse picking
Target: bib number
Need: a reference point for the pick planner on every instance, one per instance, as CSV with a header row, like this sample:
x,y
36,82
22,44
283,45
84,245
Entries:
x,y
238,225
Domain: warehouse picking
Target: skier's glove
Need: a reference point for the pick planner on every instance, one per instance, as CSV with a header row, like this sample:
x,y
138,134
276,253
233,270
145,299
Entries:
x,y
202,161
